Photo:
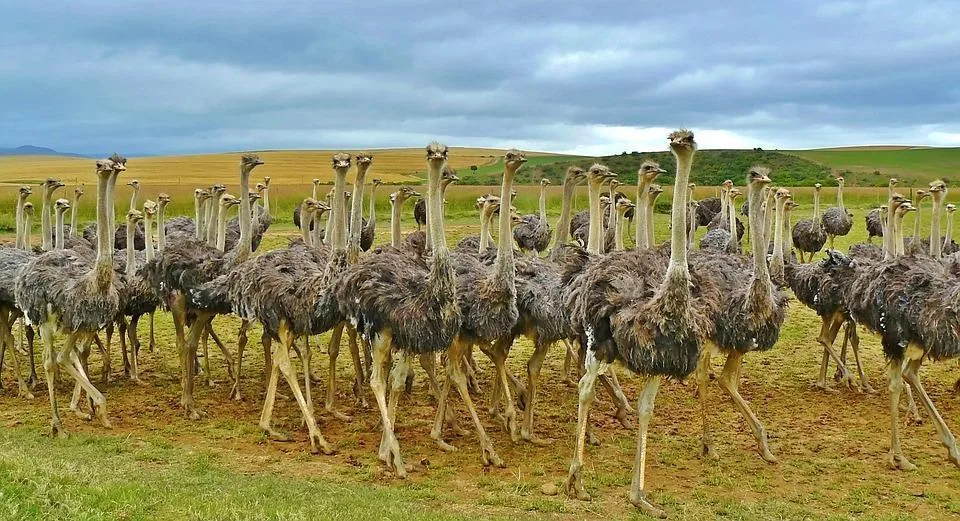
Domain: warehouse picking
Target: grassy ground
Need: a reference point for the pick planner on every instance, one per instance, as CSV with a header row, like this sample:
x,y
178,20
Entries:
x,y
913,165
155,464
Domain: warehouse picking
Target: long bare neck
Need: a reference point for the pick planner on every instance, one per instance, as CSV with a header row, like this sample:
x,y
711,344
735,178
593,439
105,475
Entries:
x,y
643,201
59,244
484,230
816,205
314,193
305,220
111,205
890,233
396,207
840,196
327,237
373,205
104,262
543,203
758,248
73,215
266,200
787,236
221,239
677,271
563,224
768,216
356,216
724,199
776,265
899,230
691,230
21,200
948,235
651,202
198,210
618,231
134,197
441,272
505,265
611,216
336,236
732,222
595,240
212,219
245,243
131,260
935,230
315,238
27,232
47,238
916,222
161,226
148,249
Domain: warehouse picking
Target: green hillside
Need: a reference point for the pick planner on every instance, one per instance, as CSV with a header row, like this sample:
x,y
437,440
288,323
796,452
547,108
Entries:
x,y
873,166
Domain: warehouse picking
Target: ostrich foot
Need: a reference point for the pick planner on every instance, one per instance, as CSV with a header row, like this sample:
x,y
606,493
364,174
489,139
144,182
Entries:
x,y
275,435
24,392
318,445
647,507
235,393
339,415
536,441
708,452
390,455
766,454
192,412
444,446
80,413
956,386
33,382
573,486
900,462
622,416
140,382
102,416
510,424
592,439
57,430
490,457
823,386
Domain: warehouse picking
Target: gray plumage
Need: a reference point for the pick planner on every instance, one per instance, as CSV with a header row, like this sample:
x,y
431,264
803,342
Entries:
x,y
119,237
809,236
715,240
533,234
709,208
874,224
420,213
837,221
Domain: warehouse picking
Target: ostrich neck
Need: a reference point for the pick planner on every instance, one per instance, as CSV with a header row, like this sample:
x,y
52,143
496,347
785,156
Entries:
x,y
935,230
487,240
266,200
899,230
305,225
691,229
816,205
732,222
484,230
221,240
916,222
111,204
643,188
651,201
104,262
198,210
245,243
759,248
441,272
840,197
21,200
395,208
47,239
73,215
595,240
336,235
563,225
543,203
59,244
161,226
148,237
314,193
948,235
787,236
611,217
212,219
724,199
768,214
890,234
618,231
372,220
315,239
356,215
27,232
131,267
133,197
677,271
504,267
778,251
327,237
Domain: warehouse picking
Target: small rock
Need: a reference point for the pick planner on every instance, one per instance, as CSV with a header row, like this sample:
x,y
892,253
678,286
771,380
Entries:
x,y
548,489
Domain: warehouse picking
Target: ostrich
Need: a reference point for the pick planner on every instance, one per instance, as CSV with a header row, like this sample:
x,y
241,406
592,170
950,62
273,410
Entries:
x,y
184,267
120,235
837,221
404,303
632,308
183,226
535,234
787,238
719,239
949,247
720,220
908,302
289,291
60,207
68,294
646,175
488,304
396,211
11,260
914,245
369,231
752,313
49,187
874,219
652,194
582,234
21,240
623,206
74,206
420,209
809,235
297,209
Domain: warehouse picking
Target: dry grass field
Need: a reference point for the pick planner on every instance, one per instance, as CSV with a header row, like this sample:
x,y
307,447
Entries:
x,y
155,464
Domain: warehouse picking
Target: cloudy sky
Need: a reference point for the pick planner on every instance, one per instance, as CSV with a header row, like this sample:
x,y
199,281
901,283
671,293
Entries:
x,y
589,77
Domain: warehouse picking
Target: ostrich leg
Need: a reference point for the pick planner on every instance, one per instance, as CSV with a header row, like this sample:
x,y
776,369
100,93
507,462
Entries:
x,y
5,329
134,341
949,441
534,365
570,360
359,374
855,347
333,351
281,357
52,369
68,360
206,359
498,352
389,447
573,486
895,382
29,332
703,381
108,353
638,497
241,344
398,376
227,357
122,329
730,381
306,356
455,359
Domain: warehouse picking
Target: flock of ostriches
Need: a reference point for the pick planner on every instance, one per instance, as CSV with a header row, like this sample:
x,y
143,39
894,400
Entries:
x,y
661,311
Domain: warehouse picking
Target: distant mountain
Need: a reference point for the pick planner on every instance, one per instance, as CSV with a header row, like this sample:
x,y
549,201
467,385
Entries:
x,y
31,150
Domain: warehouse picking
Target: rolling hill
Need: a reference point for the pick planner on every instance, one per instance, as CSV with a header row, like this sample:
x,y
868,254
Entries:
x,y
874,165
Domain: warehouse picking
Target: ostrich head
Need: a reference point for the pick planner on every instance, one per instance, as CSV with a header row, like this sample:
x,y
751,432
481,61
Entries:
x,y
733,193
893,182
134,183
921,195
654,191
545,182
490,205
227,200
249,161
341,161
363,160
316,181
377,182
404,193
624,204
782,194
574,175
322,208
260,187
840,181
599,174
449,175
51,184
78,192
25,191
514,159
28,209
134,216
311,205
817,187
758,175
104,168
951,208
218,190
150,208
266,181
253,196
905,208
727,185
614,184
604,201
61,205
682,143
119,160
347,195
516,219
791,205
198,194
204,195
838,264
938,190
436,153
649,171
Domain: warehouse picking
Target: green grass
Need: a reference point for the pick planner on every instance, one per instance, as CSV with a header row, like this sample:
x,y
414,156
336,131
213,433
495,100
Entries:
x,y
916,167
